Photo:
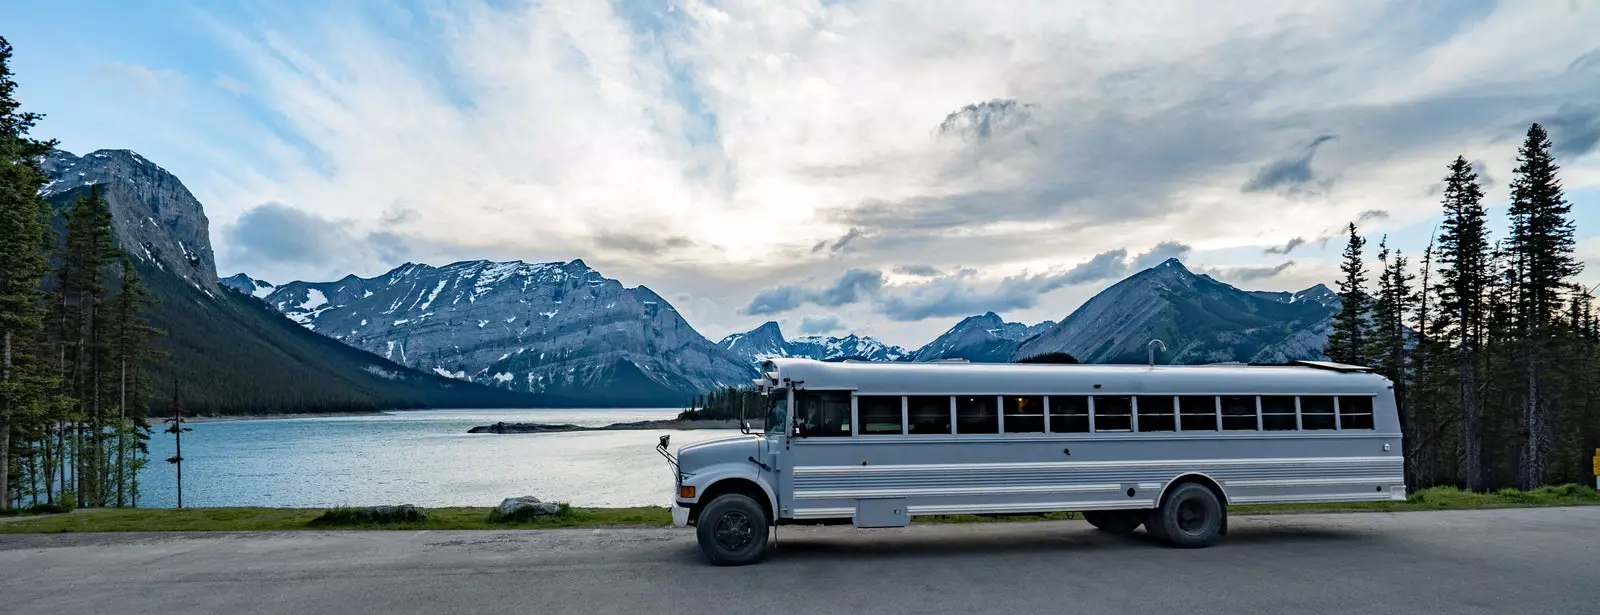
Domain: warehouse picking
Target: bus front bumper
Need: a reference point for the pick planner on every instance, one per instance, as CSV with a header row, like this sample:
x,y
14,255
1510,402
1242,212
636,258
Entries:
x,y
680,515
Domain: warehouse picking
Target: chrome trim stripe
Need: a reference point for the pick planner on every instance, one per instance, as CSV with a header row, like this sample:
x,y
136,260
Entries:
x,y
1298,499
851,494
1317,482
1029,507
824,513
1063,465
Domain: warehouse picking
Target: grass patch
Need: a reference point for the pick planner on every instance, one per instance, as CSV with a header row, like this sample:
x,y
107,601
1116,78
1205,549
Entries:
x,y
477,518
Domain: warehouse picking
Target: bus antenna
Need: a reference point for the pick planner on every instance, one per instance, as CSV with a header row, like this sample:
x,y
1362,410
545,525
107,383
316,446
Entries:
x,y
1152,347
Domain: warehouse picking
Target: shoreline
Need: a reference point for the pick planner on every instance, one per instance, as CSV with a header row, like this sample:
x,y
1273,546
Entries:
x,y
663,424
266,417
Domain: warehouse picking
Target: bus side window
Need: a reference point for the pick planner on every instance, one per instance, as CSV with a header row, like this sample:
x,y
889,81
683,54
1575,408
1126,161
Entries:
x,y
1024,414
929,414
1277,413
1199,413
822,414
1355,412
879,414
1156,413
977,414
1316,412
1238,413
1113,413
1069,414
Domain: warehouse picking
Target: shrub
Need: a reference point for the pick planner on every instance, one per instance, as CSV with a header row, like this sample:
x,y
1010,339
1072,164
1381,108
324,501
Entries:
x,y
405,513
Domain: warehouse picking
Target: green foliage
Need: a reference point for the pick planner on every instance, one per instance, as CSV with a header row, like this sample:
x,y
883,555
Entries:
x,y
1348,341
370,515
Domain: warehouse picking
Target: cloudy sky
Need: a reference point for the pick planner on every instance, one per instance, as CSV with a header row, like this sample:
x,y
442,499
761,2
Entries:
x,y
870,166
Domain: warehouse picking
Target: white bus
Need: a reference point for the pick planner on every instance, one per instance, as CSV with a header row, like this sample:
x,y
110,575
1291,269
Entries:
x,y
1166,447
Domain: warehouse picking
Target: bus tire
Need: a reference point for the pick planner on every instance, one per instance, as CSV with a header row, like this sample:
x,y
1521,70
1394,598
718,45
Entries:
x,y
732,530
1191,517
1114,521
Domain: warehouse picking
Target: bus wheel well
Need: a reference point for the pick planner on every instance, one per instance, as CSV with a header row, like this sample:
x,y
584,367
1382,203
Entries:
x,y
726,486
1203,481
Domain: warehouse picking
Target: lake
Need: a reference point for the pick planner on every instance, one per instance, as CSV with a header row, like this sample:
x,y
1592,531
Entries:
x,y
422,457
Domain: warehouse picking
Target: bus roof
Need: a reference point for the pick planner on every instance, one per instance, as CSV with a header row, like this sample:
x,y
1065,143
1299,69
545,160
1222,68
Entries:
x,y
957,378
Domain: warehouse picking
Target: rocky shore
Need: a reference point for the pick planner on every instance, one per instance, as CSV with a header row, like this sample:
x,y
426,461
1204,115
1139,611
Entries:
x,y
503,427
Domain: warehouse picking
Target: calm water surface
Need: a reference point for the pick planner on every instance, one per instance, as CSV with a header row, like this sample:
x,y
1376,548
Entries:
x,y
422,457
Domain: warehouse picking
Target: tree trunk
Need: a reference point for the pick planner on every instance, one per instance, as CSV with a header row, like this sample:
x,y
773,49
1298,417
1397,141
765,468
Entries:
x,y
1533,452
1470,463
5,428
122,428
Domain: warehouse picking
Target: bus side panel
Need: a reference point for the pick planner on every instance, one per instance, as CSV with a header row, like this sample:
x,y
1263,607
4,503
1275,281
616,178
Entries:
x,y
1040,473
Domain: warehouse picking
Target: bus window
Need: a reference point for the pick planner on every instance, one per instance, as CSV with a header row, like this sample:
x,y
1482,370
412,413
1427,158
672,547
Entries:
x,y
1024,414
1156,413
1355,412
929,415
1238,413
1113,413
1316,412
822,414
1069,414
1198,413
977,414
879,414
1277,413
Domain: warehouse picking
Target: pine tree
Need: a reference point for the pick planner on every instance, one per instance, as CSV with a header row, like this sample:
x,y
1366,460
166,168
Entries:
x,y
1348,341
130,350
1464,278
24,231
1542,244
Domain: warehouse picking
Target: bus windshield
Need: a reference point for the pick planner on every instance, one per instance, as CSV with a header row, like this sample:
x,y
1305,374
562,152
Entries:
x,y
777,411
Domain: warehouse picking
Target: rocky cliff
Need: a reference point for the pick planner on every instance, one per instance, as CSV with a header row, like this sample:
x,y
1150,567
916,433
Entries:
x,y
1200,319
559,328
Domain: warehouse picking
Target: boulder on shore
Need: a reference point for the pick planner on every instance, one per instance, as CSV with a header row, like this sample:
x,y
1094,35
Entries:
x,y
523,508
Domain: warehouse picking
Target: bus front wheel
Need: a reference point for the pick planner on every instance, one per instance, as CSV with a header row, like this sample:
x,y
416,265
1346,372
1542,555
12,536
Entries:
x,y
1191,517
733,530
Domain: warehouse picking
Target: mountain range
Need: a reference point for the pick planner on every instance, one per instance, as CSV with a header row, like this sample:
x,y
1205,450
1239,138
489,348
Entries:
x,y
766,342
553,328
515,334
229,353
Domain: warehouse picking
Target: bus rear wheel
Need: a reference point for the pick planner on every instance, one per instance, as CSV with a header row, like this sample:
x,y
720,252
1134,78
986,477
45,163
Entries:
x,y
1191,517
733,530
1114,521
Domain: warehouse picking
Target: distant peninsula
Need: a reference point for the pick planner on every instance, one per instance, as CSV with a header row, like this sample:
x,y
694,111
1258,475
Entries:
x,y
676,424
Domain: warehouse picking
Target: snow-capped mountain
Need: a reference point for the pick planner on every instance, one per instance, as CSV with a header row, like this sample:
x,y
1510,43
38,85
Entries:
x,y
766,341
236,356
981,339
247,285
1200,319
157,220
847,347
558,328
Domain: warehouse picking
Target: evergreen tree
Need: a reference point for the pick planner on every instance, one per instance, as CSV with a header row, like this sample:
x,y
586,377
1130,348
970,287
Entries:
x,y
1464,278
1387,340
1348,341
1541,243
24,231
130,350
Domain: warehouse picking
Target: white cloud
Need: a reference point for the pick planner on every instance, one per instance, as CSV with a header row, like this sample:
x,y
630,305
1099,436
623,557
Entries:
x,y
707,148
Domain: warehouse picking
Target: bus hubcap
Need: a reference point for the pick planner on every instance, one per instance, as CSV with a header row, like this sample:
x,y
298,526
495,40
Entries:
x,y
734,531
1191,517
